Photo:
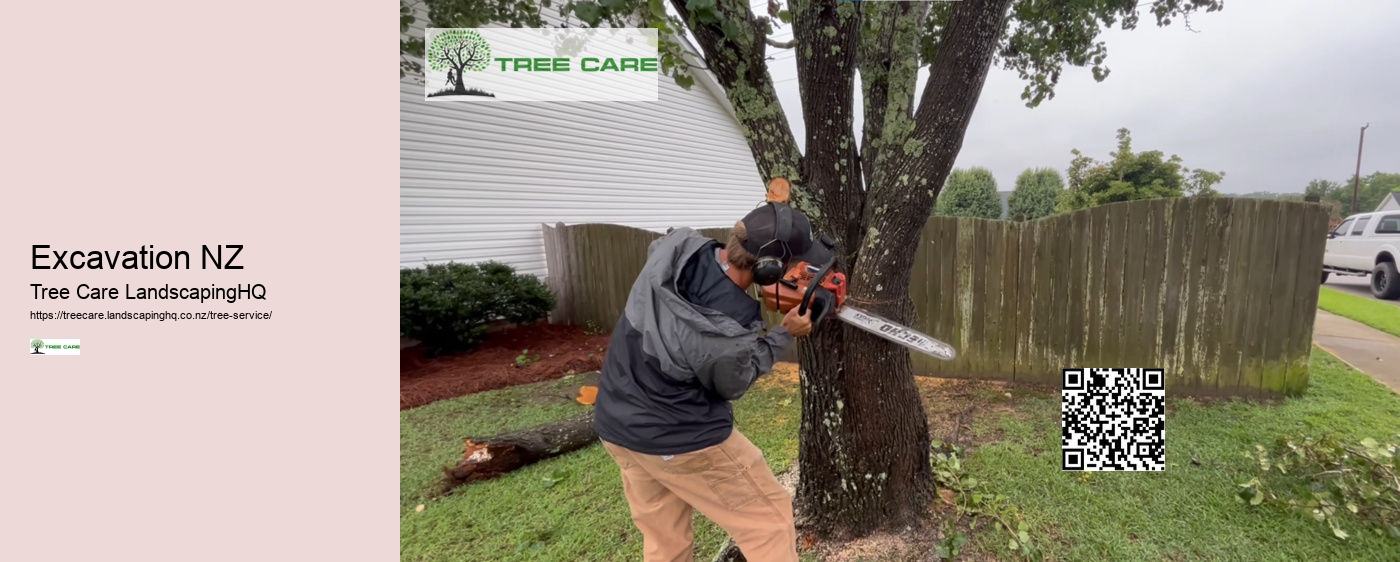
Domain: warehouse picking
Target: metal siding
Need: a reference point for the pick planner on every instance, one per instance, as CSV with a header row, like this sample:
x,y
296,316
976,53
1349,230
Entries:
x,y
477,180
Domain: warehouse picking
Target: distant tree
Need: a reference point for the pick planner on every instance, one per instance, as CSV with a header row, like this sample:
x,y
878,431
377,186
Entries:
x,y
1373,190
1324,189
970,193
1201,183
1334,207
1036,192
1130,176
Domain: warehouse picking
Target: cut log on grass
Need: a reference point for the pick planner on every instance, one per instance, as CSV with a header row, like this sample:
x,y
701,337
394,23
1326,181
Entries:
x,y
487,458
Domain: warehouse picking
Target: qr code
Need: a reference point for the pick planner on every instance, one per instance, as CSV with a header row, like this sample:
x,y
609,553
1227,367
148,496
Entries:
x,y
1113,420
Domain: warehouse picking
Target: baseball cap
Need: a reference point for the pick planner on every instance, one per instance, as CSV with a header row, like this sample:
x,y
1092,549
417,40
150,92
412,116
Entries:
x,y
803,245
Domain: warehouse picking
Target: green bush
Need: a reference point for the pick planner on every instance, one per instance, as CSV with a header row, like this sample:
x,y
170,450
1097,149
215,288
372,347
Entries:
x,y
969,193
448,306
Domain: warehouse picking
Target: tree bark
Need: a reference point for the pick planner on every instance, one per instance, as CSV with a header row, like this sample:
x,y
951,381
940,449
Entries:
x,y
865,445
828,36
484,459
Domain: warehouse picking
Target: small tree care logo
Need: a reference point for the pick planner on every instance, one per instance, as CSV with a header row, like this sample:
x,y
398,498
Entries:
x,y
50,346
459,51
502,65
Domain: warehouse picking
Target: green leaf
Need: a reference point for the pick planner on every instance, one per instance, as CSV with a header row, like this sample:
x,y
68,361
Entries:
x,y
703,10
731,30
1013,544
658,10
1339,533
785,16
589,12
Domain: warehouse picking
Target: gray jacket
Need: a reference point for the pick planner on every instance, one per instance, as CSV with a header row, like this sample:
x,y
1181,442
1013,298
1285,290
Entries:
x,y
688,342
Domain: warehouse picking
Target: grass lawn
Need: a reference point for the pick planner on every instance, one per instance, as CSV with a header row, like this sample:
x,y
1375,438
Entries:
x,y
572,507
568,508
1381,316
1187,512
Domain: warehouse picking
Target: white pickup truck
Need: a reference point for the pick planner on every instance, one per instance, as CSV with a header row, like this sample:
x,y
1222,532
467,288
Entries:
x,y
1366,244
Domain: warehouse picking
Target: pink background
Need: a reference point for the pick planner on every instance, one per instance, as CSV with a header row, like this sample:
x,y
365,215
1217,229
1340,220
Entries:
x,y
176,124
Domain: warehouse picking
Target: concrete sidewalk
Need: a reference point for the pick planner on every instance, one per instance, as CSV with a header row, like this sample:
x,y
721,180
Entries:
x,y
1369,350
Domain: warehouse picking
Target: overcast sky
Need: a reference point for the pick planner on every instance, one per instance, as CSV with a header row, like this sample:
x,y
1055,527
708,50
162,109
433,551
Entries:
x,y
1272,93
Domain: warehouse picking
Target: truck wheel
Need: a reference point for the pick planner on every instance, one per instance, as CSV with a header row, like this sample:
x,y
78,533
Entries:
x,y
1324,276
1385,281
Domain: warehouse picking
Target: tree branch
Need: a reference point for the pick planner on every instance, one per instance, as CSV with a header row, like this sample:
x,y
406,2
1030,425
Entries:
x,y
889,72
829,33
902,195
737,62
781,44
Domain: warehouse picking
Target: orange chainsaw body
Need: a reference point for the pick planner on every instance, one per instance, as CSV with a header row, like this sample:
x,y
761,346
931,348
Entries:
x,y
789,292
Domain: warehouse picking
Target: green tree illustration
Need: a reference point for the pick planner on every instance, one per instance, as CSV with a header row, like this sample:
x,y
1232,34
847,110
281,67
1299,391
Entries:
x,y
458,50
36,344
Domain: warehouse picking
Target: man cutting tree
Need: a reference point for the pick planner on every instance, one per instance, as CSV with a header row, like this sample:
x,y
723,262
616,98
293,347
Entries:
x,y
689,341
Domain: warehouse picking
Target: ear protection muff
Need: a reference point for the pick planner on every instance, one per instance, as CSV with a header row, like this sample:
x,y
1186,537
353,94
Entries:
x,y
774,254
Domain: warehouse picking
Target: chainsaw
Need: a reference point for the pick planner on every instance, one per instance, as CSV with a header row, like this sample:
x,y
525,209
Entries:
x,y
819,290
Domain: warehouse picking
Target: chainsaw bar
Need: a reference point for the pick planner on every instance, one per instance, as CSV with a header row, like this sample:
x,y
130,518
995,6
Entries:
x,y
896,333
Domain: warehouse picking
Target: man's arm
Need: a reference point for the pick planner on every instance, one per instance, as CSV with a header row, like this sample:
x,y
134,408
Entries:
x,y
736,364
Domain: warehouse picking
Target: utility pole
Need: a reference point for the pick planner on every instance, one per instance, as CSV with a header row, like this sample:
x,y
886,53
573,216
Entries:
x,y
1356,182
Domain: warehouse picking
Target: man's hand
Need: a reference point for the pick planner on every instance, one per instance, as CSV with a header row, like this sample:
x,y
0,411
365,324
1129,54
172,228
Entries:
x,y
799,325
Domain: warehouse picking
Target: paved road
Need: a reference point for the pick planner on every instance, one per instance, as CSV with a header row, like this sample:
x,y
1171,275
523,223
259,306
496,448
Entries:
x,y
1371,351
1360,286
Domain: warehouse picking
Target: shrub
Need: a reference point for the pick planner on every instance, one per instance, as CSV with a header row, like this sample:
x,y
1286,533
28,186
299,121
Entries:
x,y
1036,192
969,193
448,306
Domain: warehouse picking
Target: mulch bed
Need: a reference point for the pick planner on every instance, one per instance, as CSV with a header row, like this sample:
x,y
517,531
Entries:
x,y
562,351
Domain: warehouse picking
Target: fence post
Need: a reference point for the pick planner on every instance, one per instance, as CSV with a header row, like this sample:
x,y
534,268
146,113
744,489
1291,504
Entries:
x,y
557,257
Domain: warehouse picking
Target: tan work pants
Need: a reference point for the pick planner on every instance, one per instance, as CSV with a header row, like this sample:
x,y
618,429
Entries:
x,y
729,483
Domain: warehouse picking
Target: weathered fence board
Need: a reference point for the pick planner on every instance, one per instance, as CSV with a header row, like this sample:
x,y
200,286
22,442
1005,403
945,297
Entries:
x,y
1285,279
1304,301
1237,295
1076,333
1219,292
1259,290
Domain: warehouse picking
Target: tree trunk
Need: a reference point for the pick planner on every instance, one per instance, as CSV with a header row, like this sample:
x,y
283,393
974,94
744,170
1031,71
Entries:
x,y
484,459
864,454
865,442
461,85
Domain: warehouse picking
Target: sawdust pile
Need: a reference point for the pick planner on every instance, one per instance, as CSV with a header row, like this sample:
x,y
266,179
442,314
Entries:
x,y
783,374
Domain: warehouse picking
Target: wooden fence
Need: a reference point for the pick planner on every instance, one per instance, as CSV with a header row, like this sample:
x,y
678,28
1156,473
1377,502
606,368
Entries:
x,y
1219,292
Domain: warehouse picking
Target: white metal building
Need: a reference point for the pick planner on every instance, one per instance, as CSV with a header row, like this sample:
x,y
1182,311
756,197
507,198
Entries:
x,y
478,180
